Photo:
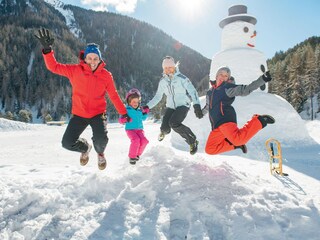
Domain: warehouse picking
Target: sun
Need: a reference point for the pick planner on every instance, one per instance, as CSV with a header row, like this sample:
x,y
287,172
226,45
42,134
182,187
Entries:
x,y
189,5
189,8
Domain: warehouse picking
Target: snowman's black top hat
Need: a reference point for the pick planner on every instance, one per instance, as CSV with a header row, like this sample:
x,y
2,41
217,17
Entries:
x,y
238,13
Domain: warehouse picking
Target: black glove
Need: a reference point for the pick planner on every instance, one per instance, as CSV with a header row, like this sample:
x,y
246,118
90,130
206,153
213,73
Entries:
x,y
267,77
266,74
45,39
198,111
126,116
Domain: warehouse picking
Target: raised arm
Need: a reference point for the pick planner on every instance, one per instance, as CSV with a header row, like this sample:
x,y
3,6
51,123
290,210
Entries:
x,y
244,90
45,39
52,65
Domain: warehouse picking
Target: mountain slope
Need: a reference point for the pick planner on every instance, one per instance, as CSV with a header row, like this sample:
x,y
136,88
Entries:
x,y
133,51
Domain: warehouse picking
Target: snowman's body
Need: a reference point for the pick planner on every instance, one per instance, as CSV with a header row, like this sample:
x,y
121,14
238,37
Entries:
x,y
245,67
238,49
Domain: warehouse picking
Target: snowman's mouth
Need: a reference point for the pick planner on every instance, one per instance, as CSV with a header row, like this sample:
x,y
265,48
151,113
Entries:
x,y
250,45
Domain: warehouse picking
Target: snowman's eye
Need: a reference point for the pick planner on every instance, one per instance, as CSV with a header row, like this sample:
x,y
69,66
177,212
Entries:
x,y
255,32
246,29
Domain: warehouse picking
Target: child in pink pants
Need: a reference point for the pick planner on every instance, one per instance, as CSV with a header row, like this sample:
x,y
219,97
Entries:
x,y
134,128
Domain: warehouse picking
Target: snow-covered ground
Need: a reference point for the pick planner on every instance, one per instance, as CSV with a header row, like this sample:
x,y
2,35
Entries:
x,y
169,194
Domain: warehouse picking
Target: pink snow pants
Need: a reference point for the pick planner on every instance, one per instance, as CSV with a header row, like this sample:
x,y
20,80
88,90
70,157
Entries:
x,y
138,142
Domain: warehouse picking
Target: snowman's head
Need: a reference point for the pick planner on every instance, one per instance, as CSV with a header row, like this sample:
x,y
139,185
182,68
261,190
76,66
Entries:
x,y
238,29
238,34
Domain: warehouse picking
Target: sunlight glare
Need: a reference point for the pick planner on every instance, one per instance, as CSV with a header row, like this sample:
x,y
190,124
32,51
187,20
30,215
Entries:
x,y
189,8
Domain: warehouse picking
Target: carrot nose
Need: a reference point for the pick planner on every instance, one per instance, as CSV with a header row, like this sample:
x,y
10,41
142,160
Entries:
x,y
253,35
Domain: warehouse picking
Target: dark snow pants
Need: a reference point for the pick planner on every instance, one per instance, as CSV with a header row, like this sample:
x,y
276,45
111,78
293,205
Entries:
x,y
71,139
173,118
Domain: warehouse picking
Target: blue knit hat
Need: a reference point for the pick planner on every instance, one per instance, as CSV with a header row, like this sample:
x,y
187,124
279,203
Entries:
x,y
92,48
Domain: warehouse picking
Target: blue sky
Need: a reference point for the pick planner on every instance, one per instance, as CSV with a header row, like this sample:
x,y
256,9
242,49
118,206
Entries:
x,y
281,24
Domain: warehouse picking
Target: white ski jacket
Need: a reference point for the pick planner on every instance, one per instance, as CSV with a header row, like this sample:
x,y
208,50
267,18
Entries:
x,y
179,91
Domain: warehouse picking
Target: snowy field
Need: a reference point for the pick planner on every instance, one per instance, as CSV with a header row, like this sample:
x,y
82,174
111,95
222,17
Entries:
x,y
169,194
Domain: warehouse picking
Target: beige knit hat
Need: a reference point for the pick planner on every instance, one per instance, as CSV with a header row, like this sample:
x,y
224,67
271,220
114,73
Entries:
x,y
168,62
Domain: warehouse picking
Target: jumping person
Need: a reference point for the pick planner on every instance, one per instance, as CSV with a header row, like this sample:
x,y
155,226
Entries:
x,y
225,135
178,89
134,128
90,82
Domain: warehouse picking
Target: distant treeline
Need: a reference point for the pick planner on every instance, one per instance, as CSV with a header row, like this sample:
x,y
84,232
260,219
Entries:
x,y
296,73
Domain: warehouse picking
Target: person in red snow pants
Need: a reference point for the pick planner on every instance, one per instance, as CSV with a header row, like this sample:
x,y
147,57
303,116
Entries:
x,y
225,135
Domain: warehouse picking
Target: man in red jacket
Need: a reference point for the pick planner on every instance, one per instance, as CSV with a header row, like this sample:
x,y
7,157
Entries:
x,y
90,82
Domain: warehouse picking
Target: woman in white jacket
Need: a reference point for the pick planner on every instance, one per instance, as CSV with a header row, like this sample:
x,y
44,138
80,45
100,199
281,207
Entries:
x,y
180,93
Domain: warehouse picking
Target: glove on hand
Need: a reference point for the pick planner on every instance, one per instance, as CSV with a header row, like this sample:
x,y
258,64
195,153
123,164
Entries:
x,y
125,118
122,120
45,39
266,77
145,109
266,74
198,111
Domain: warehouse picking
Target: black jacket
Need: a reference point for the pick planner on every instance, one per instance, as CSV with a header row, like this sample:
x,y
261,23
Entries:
x,y
220,99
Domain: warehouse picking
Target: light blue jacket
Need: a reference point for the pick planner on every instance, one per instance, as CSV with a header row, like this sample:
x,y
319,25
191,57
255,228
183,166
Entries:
x,y
137,118
179,91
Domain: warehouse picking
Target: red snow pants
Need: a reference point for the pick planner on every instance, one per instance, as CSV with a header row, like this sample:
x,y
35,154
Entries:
x,y
217,142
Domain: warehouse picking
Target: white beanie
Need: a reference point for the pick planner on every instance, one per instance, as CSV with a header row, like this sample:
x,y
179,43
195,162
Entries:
x,y
224,69
168,62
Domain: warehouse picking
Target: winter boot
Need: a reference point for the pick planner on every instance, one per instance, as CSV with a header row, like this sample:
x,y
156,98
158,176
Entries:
x,y
194,147
243,148
102,163
133,160
84,157
161,136
266,119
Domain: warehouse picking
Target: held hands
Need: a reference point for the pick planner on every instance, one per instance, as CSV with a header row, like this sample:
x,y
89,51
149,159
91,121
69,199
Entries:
x,y
124,119
45,39
198,111
145,109
205,110
266,74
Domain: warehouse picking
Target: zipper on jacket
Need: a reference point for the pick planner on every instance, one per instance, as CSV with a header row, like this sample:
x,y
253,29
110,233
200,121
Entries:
x,y
171,92
174,103
221,109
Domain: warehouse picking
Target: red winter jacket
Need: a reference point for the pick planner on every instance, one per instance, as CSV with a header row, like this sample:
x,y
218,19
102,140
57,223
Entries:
x,y
88,88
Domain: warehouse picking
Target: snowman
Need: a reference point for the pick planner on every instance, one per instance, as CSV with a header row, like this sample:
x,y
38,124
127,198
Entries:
x,y
238,50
